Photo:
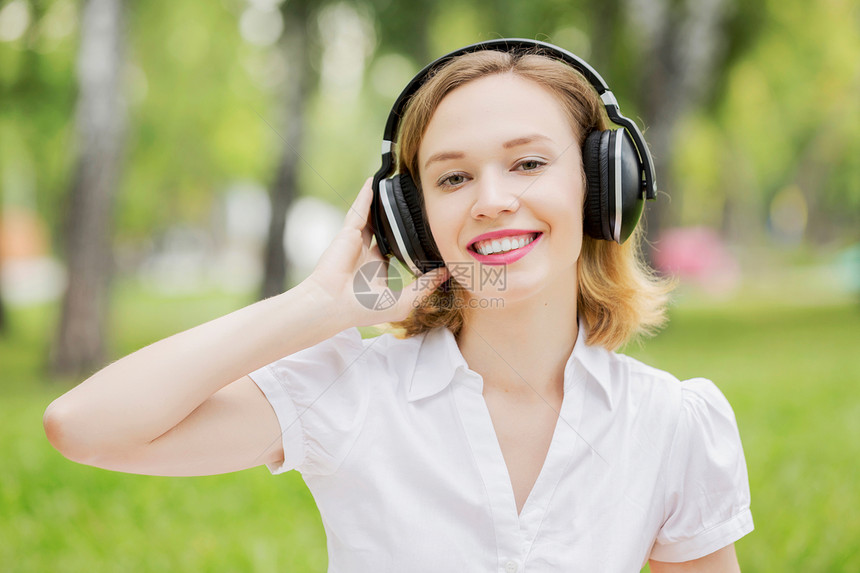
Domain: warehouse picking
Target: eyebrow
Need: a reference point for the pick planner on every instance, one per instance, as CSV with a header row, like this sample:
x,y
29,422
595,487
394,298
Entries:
x,y
445,155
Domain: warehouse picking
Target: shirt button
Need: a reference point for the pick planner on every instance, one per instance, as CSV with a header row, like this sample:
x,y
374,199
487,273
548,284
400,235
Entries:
x,y
511,567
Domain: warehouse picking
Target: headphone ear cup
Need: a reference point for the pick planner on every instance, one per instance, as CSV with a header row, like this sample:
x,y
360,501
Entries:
x,y
595,163
631,195
613,174
406,244
426,253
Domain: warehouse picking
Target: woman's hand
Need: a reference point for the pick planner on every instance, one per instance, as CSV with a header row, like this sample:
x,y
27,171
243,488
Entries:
x,y
350,252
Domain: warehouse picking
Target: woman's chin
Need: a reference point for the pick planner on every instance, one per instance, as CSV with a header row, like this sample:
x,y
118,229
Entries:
x,y
498,296
518,286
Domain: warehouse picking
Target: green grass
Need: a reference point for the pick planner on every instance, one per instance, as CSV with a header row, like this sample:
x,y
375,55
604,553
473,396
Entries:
x,y
59,516
791,374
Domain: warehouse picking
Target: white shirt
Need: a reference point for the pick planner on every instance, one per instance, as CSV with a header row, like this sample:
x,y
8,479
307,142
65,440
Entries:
x,y
396,444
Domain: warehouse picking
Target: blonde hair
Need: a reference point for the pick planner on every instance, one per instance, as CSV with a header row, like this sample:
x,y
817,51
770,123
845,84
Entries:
x,y
619,296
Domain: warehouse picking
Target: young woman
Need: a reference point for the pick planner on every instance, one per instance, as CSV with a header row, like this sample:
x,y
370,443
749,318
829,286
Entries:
x,y
499,432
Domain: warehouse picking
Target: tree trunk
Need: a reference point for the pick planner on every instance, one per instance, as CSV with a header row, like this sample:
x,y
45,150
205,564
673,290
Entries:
x,y
605,15
679,43
100,126
285,187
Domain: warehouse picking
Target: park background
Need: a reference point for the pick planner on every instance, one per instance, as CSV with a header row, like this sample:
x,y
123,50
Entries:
x,y
162,163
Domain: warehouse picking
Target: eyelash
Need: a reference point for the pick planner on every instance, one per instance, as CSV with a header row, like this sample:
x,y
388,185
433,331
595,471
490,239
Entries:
x,y
442,182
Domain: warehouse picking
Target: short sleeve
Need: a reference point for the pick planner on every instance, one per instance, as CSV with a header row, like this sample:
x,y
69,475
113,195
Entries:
x,y
707,496
320,396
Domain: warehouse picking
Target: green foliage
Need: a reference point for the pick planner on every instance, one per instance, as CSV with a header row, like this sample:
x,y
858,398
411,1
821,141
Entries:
x,y
37,96
789,115
194,124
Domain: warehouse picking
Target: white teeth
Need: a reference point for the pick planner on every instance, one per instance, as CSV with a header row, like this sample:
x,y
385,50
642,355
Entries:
x,y
506,244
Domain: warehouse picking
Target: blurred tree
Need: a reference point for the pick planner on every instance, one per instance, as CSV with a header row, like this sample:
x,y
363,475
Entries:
x,y
100,123
37,94
405,28
680,47
301,49
789,118
196,89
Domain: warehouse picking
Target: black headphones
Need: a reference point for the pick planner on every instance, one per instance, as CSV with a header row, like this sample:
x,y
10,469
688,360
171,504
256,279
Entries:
x,y
618,168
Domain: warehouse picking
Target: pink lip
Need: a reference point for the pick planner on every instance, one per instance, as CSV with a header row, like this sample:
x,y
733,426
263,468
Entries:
x,y
504,258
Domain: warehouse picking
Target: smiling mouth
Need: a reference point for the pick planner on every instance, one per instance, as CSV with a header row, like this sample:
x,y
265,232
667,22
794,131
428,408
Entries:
x,y
503,245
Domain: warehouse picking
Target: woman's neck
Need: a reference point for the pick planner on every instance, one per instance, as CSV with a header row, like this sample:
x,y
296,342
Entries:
x,y
522,346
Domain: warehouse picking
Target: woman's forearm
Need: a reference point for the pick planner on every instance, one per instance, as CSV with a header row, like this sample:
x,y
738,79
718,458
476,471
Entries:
x,y
140,397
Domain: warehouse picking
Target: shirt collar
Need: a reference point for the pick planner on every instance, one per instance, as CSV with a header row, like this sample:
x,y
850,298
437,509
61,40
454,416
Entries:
x,y
439,358
595,359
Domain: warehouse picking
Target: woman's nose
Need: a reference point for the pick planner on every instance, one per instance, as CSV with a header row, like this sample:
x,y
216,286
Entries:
x,y
494,196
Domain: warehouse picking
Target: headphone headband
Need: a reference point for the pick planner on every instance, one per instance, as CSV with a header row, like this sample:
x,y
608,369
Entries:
x,y
521,45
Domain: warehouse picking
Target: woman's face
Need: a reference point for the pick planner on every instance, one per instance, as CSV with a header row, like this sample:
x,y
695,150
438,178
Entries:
x,y
501,170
